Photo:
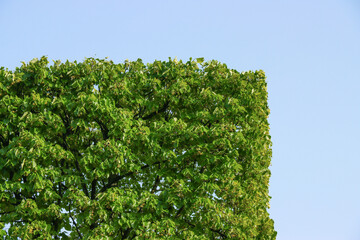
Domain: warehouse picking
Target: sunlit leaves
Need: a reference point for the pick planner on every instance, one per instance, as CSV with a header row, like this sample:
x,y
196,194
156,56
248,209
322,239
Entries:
x,y
166,150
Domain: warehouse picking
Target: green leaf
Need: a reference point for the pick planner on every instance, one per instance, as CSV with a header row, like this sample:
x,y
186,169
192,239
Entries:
x,y
200,60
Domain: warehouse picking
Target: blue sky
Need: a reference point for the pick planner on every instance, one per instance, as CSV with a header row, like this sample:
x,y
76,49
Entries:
x,y
310,51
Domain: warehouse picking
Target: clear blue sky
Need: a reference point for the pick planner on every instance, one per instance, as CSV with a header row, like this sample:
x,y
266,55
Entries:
x,y
310,51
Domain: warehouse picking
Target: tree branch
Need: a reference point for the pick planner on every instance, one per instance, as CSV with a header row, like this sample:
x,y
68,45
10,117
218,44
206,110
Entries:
x,y
77,229
157,181
157,111
93,188
211,229
82,175
219,232
66,147
103,128
180,211
118,178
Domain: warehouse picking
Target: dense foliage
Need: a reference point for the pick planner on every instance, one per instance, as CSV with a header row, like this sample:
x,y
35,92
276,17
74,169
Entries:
x,y
167,150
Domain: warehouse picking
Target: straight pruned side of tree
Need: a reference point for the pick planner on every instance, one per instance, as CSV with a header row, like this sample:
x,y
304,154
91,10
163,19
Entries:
x,y
167,150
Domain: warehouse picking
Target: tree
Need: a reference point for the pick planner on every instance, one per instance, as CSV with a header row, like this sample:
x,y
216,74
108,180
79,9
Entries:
x,y
167,150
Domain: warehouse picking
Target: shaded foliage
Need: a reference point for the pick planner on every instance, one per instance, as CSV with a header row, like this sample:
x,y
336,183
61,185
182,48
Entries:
x,y
167,150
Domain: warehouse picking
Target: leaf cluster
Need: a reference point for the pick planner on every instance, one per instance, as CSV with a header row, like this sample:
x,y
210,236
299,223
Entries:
x,y
166,150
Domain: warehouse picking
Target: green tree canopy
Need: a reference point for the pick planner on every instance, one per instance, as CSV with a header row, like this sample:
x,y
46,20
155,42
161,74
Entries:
x,y
167,150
